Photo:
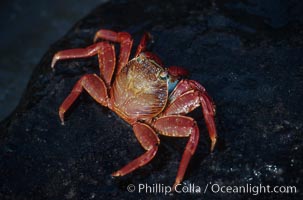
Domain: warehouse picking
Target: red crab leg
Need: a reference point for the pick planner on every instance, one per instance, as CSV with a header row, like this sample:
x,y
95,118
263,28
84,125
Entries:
x,y
93,84
180,126
149,141
142,46
189,95
107,61
125,41
106,55
154,57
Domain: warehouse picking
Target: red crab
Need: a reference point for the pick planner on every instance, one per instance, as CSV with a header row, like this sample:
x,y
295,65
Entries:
x,y
152,99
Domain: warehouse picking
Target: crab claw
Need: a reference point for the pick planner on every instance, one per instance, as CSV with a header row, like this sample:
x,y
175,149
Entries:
x,y
177,71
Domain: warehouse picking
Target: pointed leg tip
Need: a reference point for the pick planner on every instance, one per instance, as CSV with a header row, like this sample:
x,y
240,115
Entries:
x,y
213,144
53,65
62,120
175,185
55,59
117,173
61,115
149,35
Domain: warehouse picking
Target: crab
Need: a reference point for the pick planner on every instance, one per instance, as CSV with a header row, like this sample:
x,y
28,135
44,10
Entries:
x,y
153,99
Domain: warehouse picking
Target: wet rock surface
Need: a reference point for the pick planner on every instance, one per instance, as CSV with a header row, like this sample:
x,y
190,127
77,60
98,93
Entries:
x,y
252,69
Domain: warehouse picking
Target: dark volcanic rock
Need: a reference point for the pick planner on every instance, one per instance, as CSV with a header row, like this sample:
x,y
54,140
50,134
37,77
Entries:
x,y
251,65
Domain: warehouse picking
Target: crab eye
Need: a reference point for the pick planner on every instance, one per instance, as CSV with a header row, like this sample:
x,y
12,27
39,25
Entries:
x,y
163,75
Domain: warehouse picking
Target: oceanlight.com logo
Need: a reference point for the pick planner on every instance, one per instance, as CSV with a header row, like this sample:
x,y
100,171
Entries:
x,y
160,188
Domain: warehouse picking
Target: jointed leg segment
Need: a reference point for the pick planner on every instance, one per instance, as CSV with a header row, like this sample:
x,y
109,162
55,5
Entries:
x,y
189,95
180,126
142,46
105,52
149,141
125,41
93,85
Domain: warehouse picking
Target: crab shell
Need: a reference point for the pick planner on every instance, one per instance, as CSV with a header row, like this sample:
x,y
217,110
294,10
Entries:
x,y
140,90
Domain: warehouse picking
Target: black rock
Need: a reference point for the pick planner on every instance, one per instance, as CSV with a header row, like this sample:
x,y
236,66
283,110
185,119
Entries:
x,y
249,60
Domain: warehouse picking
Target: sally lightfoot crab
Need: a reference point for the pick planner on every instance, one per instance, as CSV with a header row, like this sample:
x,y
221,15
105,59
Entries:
x,y
151,98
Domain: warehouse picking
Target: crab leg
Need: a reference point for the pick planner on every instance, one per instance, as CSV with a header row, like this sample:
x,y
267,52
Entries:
x,y
186,85
180,126
93,85
125,41
189,95
106,55
142,46
107,62
149,141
